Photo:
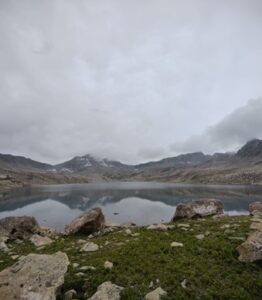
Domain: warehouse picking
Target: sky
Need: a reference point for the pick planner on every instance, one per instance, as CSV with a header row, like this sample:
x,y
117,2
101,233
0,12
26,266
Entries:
x,y
129,80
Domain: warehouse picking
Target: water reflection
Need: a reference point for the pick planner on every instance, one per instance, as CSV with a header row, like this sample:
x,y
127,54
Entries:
x,y
142,203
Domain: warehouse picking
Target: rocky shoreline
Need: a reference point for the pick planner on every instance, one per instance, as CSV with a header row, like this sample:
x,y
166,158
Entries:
x,y
95,260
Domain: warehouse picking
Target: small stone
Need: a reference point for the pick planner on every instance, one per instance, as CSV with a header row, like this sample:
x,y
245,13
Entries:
x,y
158,227
225,226
75,265
183,225
14,257
184,284
80,274
81,241
128,231
237,238
156,294
89,247
200,236
151,284
107,291
70,294
108,265
107,243
40,241
85,268
135,234
176,244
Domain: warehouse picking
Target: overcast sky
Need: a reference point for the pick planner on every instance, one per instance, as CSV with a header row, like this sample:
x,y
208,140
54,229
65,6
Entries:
x,y
129,80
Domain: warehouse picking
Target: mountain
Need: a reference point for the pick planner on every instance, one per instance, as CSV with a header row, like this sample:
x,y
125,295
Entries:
x,y
251,149
88,163
180,161
242,167
12,162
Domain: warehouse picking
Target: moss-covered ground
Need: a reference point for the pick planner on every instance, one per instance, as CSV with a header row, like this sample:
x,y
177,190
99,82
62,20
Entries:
x,y
145,261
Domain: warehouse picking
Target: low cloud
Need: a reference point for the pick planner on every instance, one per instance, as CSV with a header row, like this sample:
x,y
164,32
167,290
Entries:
x,y
229,134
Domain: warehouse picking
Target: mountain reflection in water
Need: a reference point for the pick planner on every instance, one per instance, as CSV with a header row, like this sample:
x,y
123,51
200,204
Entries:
x,y
141,203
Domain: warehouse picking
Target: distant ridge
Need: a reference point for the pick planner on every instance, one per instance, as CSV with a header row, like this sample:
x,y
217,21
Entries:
x,y
13,162
88,164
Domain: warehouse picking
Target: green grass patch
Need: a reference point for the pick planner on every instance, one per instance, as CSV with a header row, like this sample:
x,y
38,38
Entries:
x,y
210,266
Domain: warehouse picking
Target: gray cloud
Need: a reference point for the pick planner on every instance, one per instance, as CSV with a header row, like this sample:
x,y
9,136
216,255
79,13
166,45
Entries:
x,y
123,79
244,124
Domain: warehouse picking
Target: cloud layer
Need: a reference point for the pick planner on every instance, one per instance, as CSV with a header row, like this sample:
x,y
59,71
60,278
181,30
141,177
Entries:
x,y
240,126
125,79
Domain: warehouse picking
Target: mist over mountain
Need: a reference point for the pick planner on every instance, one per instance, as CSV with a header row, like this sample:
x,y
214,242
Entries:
x,y
250,153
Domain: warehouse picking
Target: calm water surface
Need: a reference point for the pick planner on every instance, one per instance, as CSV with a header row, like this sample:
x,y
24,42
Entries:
x,y
141,203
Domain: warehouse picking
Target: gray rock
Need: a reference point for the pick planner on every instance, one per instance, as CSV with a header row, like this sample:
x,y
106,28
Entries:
x,y
3,247
87,223
256,226
251,249
108,265
156,294
158,227
89,247
107,291
198,208
255,208
69,295
40,241
86,268
18,227
34,277
184,284
176,244
200,236
49,232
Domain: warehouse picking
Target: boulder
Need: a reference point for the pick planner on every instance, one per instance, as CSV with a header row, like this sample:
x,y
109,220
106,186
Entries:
x,y
107,291
40,241
198,208
34,277
251,249
87,223
18,227
156,294
255,209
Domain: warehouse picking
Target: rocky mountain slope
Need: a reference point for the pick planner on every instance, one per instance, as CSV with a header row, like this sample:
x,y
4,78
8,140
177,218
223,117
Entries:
x,y
242,167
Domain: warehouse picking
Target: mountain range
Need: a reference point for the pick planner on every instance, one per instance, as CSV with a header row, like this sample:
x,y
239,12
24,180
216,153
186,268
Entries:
x,y
244,166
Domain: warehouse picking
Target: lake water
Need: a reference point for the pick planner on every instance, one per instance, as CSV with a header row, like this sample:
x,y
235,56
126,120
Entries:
x,y
140,203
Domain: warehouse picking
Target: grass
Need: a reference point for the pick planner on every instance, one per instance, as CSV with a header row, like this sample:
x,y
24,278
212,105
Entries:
x,y
210,266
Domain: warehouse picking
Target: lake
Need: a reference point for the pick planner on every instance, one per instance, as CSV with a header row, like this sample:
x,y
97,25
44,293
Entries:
x,y
141,203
